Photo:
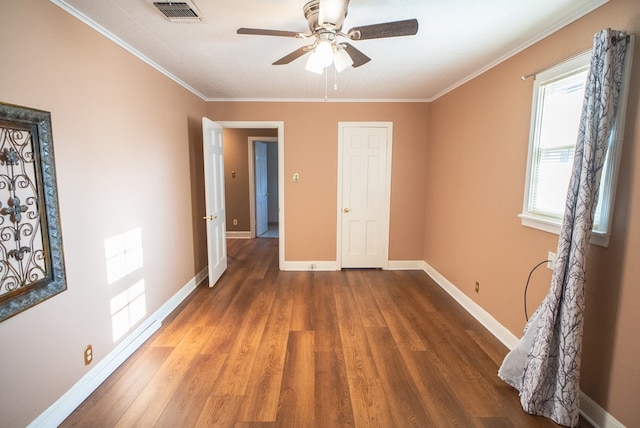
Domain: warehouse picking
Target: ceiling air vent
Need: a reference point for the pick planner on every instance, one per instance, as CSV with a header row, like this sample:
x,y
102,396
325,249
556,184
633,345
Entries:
x,y
179,11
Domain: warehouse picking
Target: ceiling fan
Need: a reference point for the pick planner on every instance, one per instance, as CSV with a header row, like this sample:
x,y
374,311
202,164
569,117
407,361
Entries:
x,y
325,19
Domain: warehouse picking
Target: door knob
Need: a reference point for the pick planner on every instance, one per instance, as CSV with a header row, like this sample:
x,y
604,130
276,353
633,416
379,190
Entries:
x,y
346,210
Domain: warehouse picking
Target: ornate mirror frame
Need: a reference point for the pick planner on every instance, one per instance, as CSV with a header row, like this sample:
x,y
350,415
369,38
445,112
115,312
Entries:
x,y
31,255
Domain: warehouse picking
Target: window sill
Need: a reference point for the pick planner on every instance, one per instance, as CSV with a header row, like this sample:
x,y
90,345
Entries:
x,y
600,239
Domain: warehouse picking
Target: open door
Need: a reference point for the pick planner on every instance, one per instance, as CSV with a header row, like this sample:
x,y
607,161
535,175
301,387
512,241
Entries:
x,y
264,197
214,199
262,194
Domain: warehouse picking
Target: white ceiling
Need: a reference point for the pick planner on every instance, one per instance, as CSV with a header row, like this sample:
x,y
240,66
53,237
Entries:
x,y
456,40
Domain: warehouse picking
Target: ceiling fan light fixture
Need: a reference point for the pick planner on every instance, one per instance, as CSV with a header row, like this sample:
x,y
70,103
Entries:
x,y
341,59
324,53
313,64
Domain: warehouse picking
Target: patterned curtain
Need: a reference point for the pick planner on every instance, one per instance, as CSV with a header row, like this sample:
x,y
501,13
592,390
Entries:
x,y
545,365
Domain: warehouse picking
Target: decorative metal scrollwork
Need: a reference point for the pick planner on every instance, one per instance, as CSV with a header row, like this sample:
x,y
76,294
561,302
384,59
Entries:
x,y
20,239
31,259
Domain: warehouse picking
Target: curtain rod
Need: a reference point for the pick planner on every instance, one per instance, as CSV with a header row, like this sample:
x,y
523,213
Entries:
x,y
615,39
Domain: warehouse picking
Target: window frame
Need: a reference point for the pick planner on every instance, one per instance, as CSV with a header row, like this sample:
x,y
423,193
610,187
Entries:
x,y
609,178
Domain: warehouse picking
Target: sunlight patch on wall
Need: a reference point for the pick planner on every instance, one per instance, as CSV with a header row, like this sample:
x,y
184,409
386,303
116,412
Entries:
x,y
127,308
124,254
124,260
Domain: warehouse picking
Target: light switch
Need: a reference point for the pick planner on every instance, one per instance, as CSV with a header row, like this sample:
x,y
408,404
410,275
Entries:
x,y
296,177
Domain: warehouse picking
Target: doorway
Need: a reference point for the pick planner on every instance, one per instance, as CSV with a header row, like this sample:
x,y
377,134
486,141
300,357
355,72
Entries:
x,y
264,186
279,126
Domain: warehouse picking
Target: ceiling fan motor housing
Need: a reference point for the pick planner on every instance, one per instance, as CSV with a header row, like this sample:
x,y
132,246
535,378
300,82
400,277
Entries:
x,y
312,14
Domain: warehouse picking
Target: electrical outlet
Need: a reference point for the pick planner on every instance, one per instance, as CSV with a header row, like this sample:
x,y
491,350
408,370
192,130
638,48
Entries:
x,y
477,287
235,221
551,260
88,355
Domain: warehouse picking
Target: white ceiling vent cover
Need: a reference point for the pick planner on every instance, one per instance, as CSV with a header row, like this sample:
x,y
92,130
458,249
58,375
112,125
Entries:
x,y
184,11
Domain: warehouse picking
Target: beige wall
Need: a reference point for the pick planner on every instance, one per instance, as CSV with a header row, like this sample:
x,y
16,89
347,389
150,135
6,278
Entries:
x,y
236,158
311,149
128,144
476,158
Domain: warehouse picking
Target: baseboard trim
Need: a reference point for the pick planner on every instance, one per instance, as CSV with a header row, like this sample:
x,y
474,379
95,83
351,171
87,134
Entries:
x,y
239,234
311,265
596,415
589,409
405,265
79,392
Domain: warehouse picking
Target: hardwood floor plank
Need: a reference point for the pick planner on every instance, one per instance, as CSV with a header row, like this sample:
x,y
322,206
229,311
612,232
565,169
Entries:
x,y
240,252
415,292
234,376
263,389
152,400
297,397
208,307
192,393
494,422
402,330
491,346
364,299
304,312
261,265
111,400
326,329
407,408
440,402
229,319
254,425
333,402
188,312
369,403
355,345
219,411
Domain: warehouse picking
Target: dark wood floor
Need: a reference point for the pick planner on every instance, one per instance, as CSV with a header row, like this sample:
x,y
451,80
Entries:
x,y
303,349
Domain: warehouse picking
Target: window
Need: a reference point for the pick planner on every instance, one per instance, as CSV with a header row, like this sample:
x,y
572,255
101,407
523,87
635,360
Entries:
x,y
555,118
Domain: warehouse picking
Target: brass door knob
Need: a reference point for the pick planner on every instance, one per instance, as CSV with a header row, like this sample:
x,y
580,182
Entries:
x,y
346,210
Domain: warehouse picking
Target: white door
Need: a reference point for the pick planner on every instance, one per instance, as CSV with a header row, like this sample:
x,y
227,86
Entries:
x,y
214,199
365,159
262,201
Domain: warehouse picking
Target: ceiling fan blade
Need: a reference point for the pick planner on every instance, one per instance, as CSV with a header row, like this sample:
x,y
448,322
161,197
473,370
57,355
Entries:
x,y
293,55
263,32
358,57
407,27
333,12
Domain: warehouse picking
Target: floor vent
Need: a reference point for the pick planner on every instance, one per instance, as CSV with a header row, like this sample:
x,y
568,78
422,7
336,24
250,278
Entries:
x,y
179,11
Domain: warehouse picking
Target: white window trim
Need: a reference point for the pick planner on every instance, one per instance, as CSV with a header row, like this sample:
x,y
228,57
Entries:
x,y
553,225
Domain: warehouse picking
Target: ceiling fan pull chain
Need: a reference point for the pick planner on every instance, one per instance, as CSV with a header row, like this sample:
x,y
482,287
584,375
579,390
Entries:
x,y
326,78
335,79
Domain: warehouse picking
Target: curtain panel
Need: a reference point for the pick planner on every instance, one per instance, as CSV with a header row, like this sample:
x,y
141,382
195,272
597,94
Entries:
x,y
545,365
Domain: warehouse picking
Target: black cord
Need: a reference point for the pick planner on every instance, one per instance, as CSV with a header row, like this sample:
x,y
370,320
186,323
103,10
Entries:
x,y
527,286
